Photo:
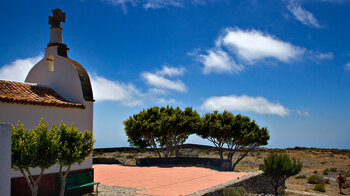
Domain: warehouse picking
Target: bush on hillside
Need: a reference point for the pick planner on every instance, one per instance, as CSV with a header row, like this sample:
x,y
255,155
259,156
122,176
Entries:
x,y
300,177
320,188
315,179
234,191
279,167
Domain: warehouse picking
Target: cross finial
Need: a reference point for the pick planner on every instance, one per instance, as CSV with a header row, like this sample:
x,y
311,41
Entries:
x,y
58,16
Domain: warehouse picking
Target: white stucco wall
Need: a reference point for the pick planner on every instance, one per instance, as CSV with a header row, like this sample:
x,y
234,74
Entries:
x,y
5,159
64,79
30,115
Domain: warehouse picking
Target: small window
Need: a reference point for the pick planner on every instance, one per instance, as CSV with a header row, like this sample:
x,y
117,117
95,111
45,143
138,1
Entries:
x,y
50,63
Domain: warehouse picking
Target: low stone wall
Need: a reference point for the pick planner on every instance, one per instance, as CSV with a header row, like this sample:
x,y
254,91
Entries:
x,y
105,161
187,161
254,182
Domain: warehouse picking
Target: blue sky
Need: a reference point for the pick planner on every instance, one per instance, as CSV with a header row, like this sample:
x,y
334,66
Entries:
x,y
285,64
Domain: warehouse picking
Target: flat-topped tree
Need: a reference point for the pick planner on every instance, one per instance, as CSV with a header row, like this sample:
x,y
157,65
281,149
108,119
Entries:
x,y
238,133
163,129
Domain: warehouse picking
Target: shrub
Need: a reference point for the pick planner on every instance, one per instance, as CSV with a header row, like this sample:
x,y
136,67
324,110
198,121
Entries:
x,y
346,185
130,156
333,169
234,191
323,162
300,177
315,172
320,188
325,171
326,181
279,167
315,179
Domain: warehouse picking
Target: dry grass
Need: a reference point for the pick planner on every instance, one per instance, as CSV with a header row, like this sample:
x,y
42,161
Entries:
x,y
314,160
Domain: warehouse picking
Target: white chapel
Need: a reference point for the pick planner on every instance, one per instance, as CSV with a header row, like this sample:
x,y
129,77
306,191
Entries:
x,y
57,89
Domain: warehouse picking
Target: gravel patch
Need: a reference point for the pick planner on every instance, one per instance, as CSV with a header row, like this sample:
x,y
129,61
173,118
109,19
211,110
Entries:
x,y
105,190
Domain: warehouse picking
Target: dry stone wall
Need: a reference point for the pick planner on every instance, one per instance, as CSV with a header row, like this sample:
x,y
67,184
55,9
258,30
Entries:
x,y
254,182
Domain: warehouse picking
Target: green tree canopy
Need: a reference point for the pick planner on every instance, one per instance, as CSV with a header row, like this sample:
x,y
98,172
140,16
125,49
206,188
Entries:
x,y
238,133
43,147
279,167
163,129
33,148
74,147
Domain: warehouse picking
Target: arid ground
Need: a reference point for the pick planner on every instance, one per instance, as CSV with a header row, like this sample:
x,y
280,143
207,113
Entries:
x,y
323,162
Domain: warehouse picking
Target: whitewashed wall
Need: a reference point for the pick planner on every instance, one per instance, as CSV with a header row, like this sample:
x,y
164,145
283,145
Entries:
x,y
5,159
64,79
30,116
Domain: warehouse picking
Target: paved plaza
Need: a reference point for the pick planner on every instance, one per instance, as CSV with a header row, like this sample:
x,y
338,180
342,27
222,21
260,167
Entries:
x,y
169,181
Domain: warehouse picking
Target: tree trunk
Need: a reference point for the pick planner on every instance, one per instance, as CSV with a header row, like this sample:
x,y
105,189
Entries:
x,y
63,180
32,183
276,190
221,153
35,190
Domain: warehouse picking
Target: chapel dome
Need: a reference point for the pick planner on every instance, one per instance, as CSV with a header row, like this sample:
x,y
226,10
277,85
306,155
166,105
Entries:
x,y
84,80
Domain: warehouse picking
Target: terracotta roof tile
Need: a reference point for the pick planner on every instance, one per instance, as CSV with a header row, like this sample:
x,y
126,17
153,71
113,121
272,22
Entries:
x,y
26,93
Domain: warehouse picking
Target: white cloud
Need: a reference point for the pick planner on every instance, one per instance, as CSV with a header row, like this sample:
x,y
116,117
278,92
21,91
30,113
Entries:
x,y
304,16
157,91
303,113
166,101
245,104
154,4
108,90
218,61
324,56
235,49
171,71
163,83
18,69
347,66
252,45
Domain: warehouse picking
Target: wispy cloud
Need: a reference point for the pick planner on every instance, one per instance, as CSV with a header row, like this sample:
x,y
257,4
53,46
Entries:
x,y
244,103
252,45
163,83
323,56
109,90
347,66
153,4
160,83
302,113
18,69
171,71
218,61
235,49
302,15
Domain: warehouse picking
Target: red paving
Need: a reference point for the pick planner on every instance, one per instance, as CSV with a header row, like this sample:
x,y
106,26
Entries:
x,y
170,181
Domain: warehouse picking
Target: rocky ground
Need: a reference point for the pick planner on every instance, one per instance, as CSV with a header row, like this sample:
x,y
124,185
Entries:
x,y
323,162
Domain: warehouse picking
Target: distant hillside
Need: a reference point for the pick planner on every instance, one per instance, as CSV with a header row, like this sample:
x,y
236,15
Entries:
x,y
199,146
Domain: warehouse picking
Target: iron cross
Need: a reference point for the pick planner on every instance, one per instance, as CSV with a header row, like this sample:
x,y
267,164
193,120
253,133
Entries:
x,y
58,16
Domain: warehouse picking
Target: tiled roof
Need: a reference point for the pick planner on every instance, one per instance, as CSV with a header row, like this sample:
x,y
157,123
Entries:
x,y
26,93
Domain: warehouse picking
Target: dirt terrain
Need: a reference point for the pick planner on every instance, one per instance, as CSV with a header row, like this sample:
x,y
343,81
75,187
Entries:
x,y
323,162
